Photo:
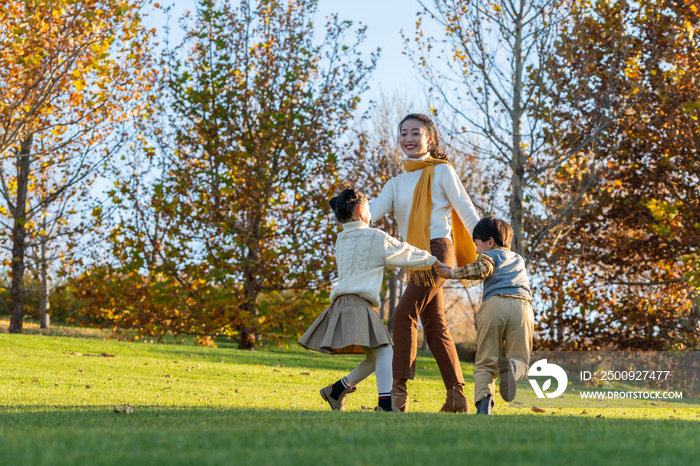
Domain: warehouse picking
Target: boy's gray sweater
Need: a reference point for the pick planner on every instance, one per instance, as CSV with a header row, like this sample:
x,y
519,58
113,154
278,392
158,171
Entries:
x,y
508,277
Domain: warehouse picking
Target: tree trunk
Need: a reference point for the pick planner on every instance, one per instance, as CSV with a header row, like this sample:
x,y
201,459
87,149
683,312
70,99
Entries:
x,y
18,237
517,164
393,283
246,334
382,304
44,302
424,345
246,338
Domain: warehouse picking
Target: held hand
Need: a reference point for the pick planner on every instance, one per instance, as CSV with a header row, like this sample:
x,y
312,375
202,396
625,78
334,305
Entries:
x,y
443,270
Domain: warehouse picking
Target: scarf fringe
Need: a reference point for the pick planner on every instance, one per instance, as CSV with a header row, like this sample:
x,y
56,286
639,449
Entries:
x,y
422,277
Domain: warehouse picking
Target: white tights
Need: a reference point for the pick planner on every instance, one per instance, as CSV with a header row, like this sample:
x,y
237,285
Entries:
x,y
379,361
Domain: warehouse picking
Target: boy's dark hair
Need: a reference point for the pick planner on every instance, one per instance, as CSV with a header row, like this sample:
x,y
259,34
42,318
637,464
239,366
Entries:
x,y
344,204
492,227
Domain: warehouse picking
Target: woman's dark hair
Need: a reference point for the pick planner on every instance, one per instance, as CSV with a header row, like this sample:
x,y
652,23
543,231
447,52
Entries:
x,y
492,227
434,148
344,204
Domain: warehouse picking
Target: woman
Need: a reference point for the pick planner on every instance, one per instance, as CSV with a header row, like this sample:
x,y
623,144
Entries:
x,y
422,197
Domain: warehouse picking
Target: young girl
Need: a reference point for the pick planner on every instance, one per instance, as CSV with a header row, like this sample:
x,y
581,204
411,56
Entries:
x,y
350,325
423,197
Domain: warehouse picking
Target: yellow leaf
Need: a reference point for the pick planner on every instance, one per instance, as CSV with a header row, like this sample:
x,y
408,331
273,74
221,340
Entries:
x,y
496,7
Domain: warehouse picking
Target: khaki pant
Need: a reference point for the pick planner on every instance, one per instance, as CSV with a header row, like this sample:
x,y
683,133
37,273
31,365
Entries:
x,y
500,319
428,304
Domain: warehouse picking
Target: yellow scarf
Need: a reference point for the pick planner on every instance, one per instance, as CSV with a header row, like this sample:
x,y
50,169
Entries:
x,y
419,223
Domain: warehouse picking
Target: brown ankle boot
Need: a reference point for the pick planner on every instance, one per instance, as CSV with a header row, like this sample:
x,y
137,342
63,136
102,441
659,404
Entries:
x,y
455,401
399,395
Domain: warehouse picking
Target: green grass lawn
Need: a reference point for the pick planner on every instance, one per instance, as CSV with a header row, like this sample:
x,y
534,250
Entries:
x,y
206,406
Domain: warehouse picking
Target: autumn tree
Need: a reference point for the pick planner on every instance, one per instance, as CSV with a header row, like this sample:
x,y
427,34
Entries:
x,y
70,73
227,207
624,273
491,73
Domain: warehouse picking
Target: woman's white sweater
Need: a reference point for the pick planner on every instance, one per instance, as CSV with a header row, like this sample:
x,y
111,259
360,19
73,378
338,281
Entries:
x,y
447,193
361,253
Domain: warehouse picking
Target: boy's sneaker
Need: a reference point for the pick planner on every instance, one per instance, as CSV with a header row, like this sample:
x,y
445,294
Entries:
x,y
339,404
485,405
506,373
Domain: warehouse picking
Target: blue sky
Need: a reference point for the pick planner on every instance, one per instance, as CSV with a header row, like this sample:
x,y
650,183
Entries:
x,y
384,19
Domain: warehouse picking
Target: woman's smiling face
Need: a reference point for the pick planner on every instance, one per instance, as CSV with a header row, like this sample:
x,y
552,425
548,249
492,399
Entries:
x,y
414,139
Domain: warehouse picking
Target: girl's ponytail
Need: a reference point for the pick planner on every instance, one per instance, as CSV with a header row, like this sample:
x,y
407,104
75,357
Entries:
x,y
344,204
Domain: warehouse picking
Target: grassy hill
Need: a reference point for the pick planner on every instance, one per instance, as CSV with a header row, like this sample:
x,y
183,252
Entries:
x,y
205,406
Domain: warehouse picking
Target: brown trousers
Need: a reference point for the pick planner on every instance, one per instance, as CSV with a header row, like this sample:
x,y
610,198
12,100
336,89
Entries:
x,y
428,304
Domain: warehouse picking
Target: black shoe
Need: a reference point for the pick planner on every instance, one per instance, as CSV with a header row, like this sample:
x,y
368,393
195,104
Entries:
x,y
506,373
339,404
485,405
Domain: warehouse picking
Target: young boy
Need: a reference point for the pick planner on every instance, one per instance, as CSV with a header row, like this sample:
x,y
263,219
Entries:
x,y
505,314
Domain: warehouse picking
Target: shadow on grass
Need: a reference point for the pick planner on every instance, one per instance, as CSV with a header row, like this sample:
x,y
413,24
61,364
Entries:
x,y
158,435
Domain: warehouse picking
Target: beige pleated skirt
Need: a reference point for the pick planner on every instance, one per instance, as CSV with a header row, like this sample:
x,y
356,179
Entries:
x,y
345,326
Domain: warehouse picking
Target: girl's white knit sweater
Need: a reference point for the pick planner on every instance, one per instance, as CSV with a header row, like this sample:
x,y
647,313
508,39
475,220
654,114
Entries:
x,y
447,193
361,253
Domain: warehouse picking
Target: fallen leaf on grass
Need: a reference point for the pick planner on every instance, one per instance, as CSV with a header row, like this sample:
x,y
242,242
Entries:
x,y
81,370
365,407
168,375
106,355
304,373
537,410
276,370
37,381
124,409
416,401
583,412
87,386
600,415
